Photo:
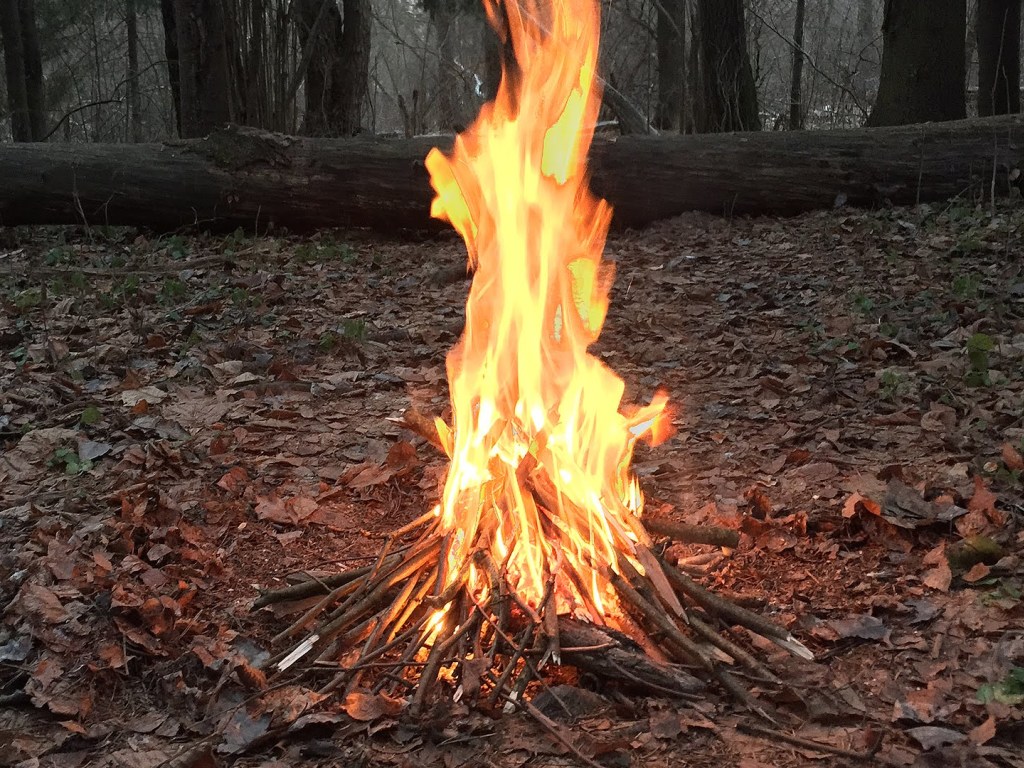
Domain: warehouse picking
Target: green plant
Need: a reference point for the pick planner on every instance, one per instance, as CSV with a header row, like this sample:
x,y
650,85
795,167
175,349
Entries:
x,y
172,290
91,415
328,341
59,255
967,286
892,384
1009,690
67,458
864,304
241,298
978,348
28,299
177,246
353,329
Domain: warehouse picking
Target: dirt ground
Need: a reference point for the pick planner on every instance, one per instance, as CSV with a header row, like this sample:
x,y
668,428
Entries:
x,y
186,421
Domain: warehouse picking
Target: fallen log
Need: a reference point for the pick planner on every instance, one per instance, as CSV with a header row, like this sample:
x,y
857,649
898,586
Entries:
x,y
257,180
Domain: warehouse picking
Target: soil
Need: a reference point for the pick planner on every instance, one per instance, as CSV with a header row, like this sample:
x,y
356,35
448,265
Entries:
x,y
186,421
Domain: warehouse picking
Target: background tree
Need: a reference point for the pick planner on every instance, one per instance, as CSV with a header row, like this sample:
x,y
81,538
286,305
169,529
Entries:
x,y
729,96
998,35
24,68
671,42
207,96
131,23
14,64
336,42
796,114
924,67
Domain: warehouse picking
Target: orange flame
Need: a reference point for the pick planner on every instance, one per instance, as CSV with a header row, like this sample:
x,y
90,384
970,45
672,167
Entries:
x,y
539,449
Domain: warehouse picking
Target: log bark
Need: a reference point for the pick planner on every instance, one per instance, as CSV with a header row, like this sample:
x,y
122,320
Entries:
x,y
258,180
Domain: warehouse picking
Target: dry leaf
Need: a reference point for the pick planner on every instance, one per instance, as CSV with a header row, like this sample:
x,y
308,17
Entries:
x,y
1012,458
984,732
366,707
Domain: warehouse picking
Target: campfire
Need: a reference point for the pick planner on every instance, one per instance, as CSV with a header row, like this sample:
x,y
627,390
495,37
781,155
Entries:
x,y
537,553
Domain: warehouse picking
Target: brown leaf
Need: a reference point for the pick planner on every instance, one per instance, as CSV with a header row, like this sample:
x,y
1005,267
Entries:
x,y
39,602
857,503
665,725
977,572
234,480
113,655
367,707
1012,458
863,626
984,732
252,678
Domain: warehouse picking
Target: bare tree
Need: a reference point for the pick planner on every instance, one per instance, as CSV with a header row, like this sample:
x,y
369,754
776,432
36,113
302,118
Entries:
x,y
131,22
923,62
24,66
14,63
729,100
796,115
998,31
207,96
671,43
336,45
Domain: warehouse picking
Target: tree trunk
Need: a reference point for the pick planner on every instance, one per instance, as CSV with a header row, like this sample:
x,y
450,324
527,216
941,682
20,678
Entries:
x,y
443,18
204,66
998,30
339,62
257,180
34,86
796,112
492,48
671,43
924,65
131,22
14,64
355,65
171,54
867,55
729,94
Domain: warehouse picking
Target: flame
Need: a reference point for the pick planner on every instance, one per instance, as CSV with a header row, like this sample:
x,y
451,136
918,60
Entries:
x,y
540,448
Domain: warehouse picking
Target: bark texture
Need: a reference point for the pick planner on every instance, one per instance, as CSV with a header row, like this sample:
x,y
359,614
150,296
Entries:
x,y
729,98
924,65
256,180
339,61
204,63
14,67
671,43
998,31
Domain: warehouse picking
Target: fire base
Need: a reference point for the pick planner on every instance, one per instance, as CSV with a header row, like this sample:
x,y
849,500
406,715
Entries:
x,y
388,628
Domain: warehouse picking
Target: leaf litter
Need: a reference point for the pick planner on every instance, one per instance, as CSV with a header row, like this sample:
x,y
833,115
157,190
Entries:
x,y
186,421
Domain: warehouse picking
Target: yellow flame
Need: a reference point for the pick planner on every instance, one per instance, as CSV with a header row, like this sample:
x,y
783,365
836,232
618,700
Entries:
x,y
540,450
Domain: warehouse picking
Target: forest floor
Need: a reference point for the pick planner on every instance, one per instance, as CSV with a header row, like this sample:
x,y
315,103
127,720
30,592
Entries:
x,y
186,421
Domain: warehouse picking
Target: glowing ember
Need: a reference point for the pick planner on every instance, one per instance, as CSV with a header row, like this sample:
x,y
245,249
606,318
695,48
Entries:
x,y
539,449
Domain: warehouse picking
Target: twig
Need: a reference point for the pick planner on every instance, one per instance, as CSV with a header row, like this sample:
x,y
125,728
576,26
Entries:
x,y
692,534
753,729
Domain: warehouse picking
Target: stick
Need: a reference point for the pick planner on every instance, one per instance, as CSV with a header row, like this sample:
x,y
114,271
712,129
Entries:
x,y
692,534
735,613
771,733
307,588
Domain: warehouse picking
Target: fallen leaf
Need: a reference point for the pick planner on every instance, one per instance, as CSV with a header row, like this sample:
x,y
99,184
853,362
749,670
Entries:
x,y
234,480
665,725
984,732
151,395
368,707
978,572
40,602
1012,458
863,626
931,736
